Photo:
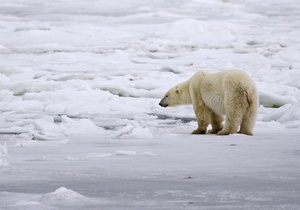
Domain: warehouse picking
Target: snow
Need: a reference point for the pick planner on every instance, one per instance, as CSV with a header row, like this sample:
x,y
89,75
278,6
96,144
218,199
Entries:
x,y
80,124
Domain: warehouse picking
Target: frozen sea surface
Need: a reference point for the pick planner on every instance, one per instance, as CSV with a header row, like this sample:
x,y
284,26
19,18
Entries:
x,y
80,124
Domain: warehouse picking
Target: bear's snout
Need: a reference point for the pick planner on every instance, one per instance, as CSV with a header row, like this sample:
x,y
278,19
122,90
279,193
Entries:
x,y
163,105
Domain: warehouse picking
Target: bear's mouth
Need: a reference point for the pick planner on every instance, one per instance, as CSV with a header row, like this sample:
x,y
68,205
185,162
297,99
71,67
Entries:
x,y
163,105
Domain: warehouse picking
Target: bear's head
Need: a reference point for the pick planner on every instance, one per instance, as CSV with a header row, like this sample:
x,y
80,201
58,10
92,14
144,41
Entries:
x,y
176,96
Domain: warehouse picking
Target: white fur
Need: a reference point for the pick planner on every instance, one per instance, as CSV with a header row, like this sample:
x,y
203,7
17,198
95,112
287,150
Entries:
x,y
229,93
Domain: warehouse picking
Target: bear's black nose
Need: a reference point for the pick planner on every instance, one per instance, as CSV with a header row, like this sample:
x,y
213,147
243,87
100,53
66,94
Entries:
x,y
163,105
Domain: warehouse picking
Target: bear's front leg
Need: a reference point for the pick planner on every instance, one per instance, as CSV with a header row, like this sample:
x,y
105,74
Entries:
x,y
199,130
203,118
201,111
216,123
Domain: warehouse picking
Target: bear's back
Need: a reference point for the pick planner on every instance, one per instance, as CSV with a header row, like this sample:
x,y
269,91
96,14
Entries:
x,y
214,87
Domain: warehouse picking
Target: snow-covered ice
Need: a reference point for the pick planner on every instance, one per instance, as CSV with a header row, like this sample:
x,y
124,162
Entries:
x,y
80,124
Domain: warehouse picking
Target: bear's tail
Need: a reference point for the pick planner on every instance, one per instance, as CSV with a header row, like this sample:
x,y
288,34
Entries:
x,y
250,93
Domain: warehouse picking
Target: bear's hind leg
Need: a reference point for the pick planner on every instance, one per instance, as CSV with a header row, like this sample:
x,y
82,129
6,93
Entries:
x,y
216,123
249,120
236,104
232,121
231,126
246,127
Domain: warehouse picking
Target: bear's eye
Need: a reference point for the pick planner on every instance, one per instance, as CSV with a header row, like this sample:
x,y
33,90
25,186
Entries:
x,y
177,91
167,96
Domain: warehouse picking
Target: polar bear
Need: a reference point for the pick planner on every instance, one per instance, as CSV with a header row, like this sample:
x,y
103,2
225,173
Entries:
x,y
230,93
